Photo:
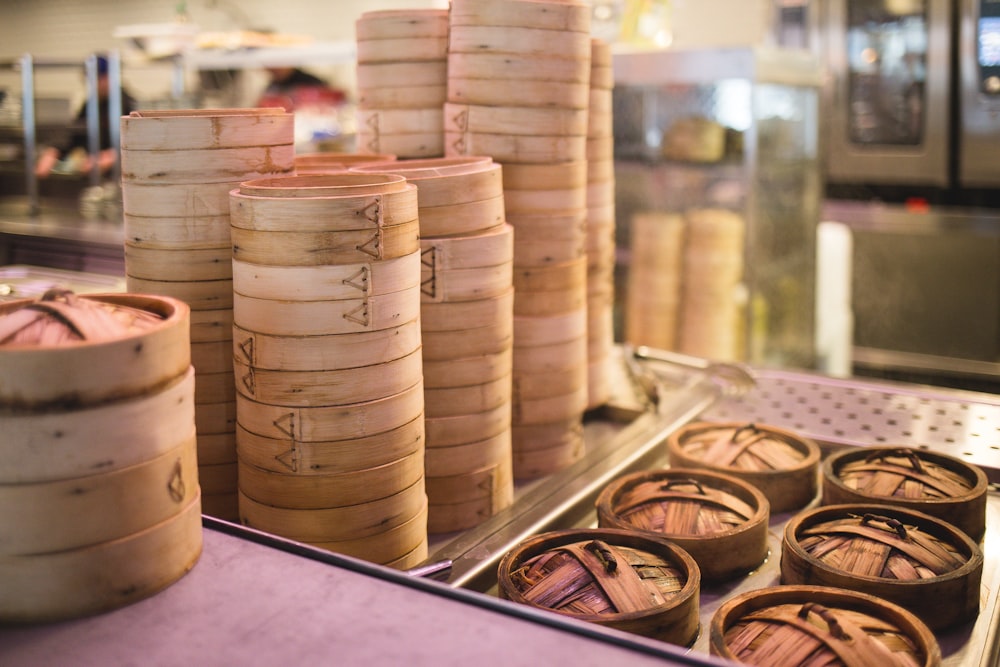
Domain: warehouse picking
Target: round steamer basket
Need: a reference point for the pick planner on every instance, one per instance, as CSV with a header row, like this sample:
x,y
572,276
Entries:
x,y
403,97
718,519
209,231
209,165
446,181
189,200
923,564
377,122
101,577
190,129
388,546
393,74
318,163
782,464
519,92
144,338
489,338
426,144
198,294
520,41
319,248
395,49
937,484
490,481
791,626
469,428
532,121
466,371
445,461
531,149
561,176
504,66
323,185
554,571
572,16
393,23
183,264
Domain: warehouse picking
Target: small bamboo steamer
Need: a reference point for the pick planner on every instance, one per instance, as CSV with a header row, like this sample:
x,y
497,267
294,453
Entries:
x,y
558,176
189,129
789,625
410,560
468,428
101,577
943,486
539,303
217,448
406,144
537,42
392,23
335,351
466,371
319,491
67,514
388,546
571,16
440,285
538,462
570,275
786,473
529,385
399,121
328,387
35,377
209,231
294,248
306,163
553,357
606,561
719,519
197,294
553,228
503,66
214,388
566,434
518,93
602,77
335,523
451,517
923,564
446,181
324,213
326,282
323,423
471,399
329,457
456,316
488,339
531,252
179,264
457,459
210,165
403,97
466,218
212,418
494,480
526,201
309,186
46,446
211,325
531,149
217,478
551,330
547,409
401,73
312,318
177,201
509,119
487,249
405,49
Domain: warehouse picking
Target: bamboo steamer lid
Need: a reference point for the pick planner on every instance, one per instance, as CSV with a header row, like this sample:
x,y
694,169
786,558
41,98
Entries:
x,y
478,118
781,463
921,563
518,93
190,129
571,16
802,626
937,484
522,41
46,446
335,523
620,579
391,23
468,428
101,577
331,352
65,336
339,184
492,65
718,519
207,231
440,461
329,457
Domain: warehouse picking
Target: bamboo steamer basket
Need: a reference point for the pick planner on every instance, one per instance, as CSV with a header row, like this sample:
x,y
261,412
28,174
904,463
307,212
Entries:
x,y
224,506
504,148
217,448
781,463
50,445
387,547
101,577
518,93
446,461
547,243
553,357
428,144
543,303
466,371
179,264
335,351
328,387
615,578
461,316
719,519
165,232
468,428
295,248
557,176
210,165
937,484
519,201
494,481
489,338
522,41
403,97
446,181
451,517
467,268
327,282
378,122
921,563
465,218
214,418
311,163
197,294
75,513
534,462
503,66
546,409
212,356
321,490
406,49
566,434
410,560
187,129
324,185
330,457
337,422
211,325
571,16
393,74
803,626
331,524
536,386
144,338
479,118
176,201
471,399
393,23
550,330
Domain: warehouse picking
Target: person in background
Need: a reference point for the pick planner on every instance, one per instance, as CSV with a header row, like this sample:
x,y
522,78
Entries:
x,y
77,143
291,87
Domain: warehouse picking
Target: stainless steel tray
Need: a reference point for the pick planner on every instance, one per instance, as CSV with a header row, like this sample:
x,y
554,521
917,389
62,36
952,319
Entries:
x,y
835,412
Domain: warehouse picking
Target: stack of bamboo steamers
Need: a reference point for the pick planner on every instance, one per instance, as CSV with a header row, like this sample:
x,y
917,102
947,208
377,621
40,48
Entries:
x,y
518,91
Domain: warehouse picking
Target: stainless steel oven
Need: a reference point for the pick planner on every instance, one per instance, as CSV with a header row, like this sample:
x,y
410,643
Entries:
x,y
979,79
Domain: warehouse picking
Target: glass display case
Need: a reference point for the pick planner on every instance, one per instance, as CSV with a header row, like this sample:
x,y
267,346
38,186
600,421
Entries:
x,y
719,189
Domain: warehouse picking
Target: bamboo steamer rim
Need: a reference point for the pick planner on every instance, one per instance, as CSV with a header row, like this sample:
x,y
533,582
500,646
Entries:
x,y
391,23
426,168
339,159
966,509
332,184
736,608
553,540
223,111
563,15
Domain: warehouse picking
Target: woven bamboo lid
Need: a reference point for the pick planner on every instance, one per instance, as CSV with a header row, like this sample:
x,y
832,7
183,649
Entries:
x,y
940,485
719,519
921,563
629,581
807,626
781,463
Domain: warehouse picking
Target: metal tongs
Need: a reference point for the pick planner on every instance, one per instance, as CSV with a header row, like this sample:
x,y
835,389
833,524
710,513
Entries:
x,y
732,378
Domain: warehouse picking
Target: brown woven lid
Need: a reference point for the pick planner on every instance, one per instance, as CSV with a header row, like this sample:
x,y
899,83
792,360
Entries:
x,y
747,447
60,317
904,473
